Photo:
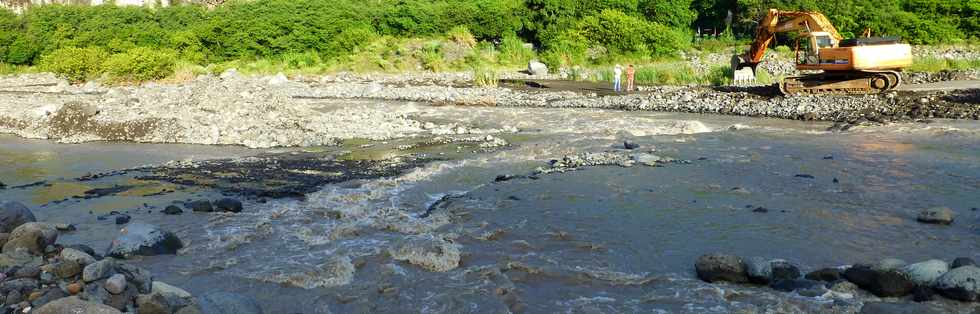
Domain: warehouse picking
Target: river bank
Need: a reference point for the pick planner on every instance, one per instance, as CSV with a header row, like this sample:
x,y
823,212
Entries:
x,y
275,111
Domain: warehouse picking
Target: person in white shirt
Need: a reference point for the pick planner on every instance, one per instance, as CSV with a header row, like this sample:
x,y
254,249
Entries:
x,y
617,74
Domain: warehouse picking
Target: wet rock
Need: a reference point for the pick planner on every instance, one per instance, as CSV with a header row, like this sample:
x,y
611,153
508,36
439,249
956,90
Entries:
x,y
14,214
897,308
84,248
170,292
936,215
923,294
760,209
98,270
144,240
74,288
925,273
427,251
200,206
75,305
14,297
116,284
49,295
153,304
28,271
23,285
721,267
173,210
762,271
843,286
95,292
228,303
228,205
805,176
648,159
64,269
32,236
963,261
20,258
123,300
504,178
630,145
65,227
790,285
882,283
962,283
122,219
76,256
825,274
136,277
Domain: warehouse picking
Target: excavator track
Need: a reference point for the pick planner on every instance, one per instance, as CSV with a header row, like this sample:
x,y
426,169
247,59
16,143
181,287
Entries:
x,y
845,82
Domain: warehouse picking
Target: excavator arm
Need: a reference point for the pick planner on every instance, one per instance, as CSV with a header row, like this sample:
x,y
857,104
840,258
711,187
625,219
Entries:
x,y
774,22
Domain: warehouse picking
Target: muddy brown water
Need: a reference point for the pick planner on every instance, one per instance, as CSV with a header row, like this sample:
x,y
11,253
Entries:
x,y
603,239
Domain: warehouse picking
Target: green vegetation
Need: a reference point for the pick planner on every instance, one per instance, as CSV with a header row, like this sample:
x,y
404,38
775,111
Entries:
x,y
313,36
934,64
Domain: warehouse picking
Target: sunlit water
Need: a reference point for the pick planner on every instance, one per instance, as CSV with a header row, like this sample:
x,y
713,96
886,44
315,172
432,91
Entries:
x,y
605,239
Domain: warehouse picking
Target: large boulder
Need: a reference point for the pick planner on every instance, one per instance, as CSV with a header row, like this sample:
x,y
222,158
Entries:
x,y
925,273
14,214
880,282
961,283
535,67
764,272
936,215
228,205
141,239
721,267
76,306
963,261
228,303
825,274
32,236
77,256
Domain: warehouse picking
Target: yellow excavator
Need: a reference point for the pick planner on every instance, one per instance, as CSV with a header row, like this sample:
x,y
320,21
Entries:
x,y
849,66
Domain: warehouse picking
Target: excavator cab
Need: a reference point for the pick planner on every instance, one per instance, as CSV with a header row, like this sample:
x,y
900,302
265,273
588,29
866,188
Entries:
x,y
811,45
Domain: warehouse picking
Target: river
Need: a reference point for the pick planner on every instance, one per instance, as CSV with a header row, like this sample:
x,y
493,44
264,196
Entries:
x,y
603,239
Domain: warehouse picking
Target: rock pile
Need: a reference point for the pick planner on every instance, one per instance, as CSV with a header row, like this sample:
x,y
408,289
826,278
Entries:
x,y
887,278
37,273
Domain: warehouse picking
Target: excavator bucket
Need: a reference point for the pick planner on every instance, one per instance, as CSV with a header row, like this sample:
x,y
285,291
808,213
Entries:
x,y
742,74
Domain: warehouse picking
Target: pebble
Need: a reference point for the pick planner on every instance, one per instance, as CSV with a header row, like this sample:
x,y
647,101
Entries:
x,y
74,288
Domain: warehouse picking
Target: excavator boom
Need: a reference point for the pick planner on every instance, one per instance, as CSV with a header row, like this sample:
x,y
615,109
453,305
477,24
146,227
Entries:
x,y
850,66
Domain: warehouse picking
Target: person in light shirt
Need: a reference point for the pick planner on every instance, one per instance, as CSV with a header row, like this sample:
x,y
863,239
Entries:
x,y
617,74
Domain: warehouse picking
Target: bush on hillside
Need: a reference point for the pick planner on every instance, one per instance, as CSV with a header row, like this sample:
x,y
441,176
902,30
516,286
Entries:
x,y
141,64
75,64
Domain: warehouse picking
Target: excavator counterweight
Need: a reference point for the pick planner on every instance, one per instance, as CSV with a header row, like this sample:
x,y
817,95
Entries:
x,y
848,66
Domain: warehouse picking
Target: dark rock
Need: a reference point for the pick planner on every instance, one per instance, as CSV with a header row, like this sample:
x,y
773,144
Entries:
x,y
825,274
828,157
29,271
882,283
630,145
145,240
764,272
98,270
228,303
12,215
95,292
790,285
64,269
32,236
228,205
122,300
122,219
719,267
23,285
49,295
783,270
153,304
923,294
173,210
962,283
936,215
962,261
805,176
897,308
200,206
760,209
504,178
137,277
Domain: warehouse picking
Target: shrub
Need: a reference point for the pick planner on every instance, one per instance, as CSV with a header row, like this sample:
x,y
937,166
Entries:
x,y
484,76
513,50
568,48
461,35
141,64
75,64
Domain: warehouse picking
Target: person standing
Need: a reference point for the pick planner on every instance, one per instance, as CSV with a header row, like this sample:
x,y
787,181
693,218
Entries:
x,y
617,74
630,76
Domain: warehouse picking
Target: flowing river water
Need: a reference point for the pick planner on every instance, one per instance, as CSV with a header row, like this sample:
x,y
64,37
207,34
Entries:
x,y
445,238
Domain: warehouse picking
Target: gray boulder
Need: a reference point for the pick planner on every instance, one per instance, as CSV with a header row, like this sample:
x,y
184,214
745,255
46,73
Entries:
x,y
961,283
140,239
720,267
228,303
116,284
925,273
764,272
882,283
963,261
936,215
14,214
535,67
98,270
825,274
228,205
75,305
32,236
77,256
890,264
